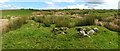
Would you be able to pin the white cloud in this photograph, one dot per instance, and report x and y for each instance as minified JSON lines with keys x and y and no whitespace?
{"x":93,"y":0}
{"x":2,"y":1}
{"x":107,"y":6}
{"x":53,"y":8}
{"x":80,"y":6}
{"x":111,"y":1}
{"x":63,"y":0}
{"x":101,"y":4}
{"x":42,"y":0}
{"x":50,"y":3}
{"x":101,"y":0}
{"x":8,"y":6}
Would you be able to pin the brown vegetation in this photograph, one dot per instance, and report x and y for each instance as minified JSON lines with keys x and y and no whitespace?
{"x":112,"y":26}
{"x":4,"y":25}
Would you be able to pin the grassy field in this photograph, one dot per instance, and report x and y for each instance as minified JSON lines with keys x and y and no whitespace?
{"x":22,"y":13}
{"x":36,"y":35}
{"x":30,"y":36}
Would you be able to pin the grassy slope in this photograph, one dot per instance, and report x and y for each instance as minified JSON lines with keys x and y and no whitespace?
{"x":30,"y":36}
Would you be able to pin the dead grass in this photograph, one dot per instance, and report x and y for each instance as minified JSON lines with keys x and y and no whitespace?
{"x":4,"y":25}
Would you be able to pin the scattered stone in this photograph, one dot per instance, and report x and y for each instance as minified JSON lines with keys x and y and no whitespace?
{"x":61,"y":30}
{"x":91,"y":32}
{"x":84,"y":32}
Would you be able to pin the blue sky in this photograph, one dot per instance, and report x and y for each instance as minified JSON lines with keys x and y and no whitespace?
{"x":59,"y":4}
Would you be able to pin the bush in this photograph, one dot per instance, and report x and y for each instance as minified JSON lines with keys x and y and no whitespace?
{"x":65,"y":21}
{"x":39,"y":19}
{"x":58,"y":21}
{"x":87,"y":20}
{"x":16,"y":22}
{"x":47,"y":22}
{"x":61,"y":22}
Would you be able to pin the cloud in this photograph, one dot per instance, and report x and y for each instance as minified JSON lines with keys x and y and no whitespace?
{"x":2,"y":1}
{"x":50,"y":3}
{"x":42,"y":0}
{"x":63,"y":0}
{"x":107,"y":6}
{"x":111,"y":1}
{"x":93,"y":0}
{"x":8,"y":6}
{"x":53,"y":8}
{"x":88,"y":4}
{"x":80,"y":6}
{"x":102,"y":4}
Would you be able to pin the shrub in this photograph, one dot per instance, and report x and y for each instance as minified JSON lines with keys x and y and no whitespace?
{"x":16,"y":22}
{"x":71,"y":24}
{"x":61,"y":22}
{"x":39,"y":19}
{"x":65,"y":21}
{"x":47,"y":22}
{"x":87,"y":20}
{"x":53,"y":26}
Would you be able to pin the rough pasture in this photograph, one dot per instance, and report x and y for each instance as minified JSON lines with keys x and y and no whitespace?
{"x":35,"y":27}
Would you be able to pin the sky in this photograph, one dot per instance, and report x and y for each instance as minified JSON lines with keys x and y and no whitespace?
{"x":59,"y":4}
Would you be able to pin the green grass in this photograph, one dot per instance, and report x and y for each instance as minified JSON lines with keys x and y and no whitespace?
{"x":29,"y":36}
{"x":22,"y":13}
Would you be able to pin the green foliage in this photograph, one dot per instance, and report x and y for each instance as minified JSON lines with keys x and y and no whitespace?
{"x":21,"y":13}
{"x":29,"y":37}
{"x":37,"y":34}
{"x":18,"y":22}
{"x":62,"y":22}
{"x":47,"y":21}
{"x":87,"y":20}
{"x":58,"y":21}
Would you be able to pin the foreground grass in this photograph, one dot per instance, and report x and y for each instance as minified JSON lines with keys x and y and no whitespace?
{"x":31,"y":36}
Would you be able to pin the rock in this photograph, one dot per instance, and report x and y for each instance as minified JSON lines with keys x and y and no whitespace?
{"x":55,"y":30}
{"x":82,"y":32}
{"x":95,"y":29}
